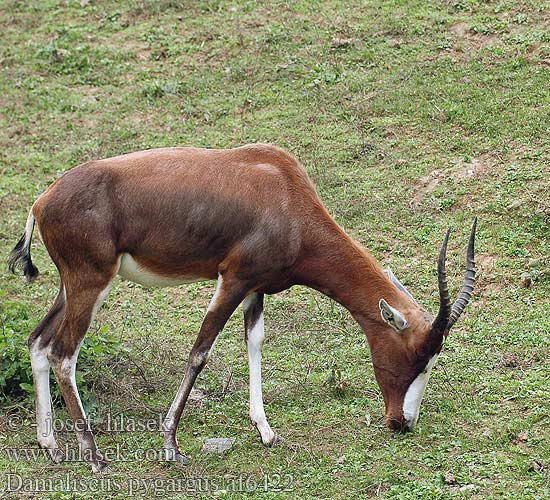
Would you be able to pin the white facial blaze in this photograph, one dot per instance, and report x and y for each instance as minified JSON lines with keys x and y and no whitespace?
{"x":415,"y":393}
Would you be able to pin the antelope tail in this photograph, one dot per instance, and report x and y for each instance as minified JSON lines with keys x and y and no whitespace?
{"x":20,"y":256}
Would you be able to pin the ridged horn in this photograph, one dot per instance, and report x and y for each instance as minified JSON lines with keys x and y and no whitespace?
{"x":447,"y":315}
{"x":440,"y":323}
{"x":469,"y":279}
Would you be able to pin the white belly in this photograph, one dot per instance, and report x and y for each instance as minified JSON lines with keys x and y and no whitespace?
{"x":130,"y":270}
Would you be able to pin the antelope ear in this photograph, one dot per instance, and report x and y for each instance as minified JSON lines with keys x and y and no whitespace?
{"x":397,"y":283}
{"x":392,"y":316}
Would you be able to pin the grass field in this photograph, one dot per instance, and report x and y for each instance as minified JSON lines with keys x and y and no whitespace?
{"x":409,"y":116}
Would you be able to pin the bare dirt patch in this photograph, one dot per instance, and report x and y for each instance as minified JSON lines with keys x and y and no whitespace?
{"x":477,"y":168}
{"x":474,"y":169}
{"x":466,"y":42}
{"x":461,"y":31}
{"x":486,"y":262}
{"x":510,"y":360}
{"x":426,"y":185}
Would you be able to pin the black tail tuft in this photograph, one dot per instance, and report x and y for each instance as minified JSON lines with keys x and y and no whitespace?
{"x":20,"y":257}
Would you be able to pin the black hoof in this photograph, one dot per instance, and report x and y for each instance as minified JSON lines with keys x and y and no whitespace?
{"x":176,"y":456}
{"x":276,"y":440}
{"x":100,"y":467}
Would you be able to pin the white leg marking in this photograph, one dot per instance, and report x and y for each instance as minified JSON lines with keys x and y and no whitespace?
{"x":211,"y":306}
{"x":415,"y":393}
{"x":216,"y":296}
{"x":44,"y":417}
{"x":99,"y":301}
{"x":255,"y":341}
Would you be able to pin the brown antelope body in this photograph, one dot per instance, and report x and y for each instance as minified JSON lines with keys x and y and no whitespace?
{"x":248,"y":217}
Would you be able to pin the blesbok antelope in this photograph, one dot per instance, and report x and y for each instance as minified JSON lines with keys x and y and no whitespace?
{"x":248,"y":217}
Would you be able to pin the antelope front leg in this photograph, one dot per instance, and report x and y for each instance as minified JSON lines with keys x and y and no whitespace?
{"x":229,"y":293}
{"x":254,"y":333}
{"x":197,"y":360}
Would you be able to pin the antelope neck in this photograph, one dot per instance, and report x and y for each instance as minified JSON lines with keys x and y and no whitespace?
{"x":348,"y":274}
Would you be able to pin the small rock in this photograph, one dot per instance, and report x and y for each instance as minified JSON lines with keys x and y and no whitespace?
{"x":341,"y":459}
{"x":394,"y":43}
{"x":217,"y":445}
{"x":514,"y":204}
{"x":341,"y":42}
{"x":467,"y":487}
{"x":449,"y":478}
{"x":526,"y":280}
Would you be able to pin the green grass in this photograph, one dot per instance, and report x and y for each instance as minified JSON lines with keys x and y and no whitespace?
{"x":409,"y":116}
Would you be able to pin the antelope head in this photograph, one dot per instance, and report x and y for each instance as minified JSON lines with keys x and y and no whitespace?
{"x":413,"y":341}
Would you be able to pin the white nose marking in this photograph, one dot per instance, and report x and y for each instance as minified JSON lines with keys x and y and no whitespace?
{"x":415,"y":393}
